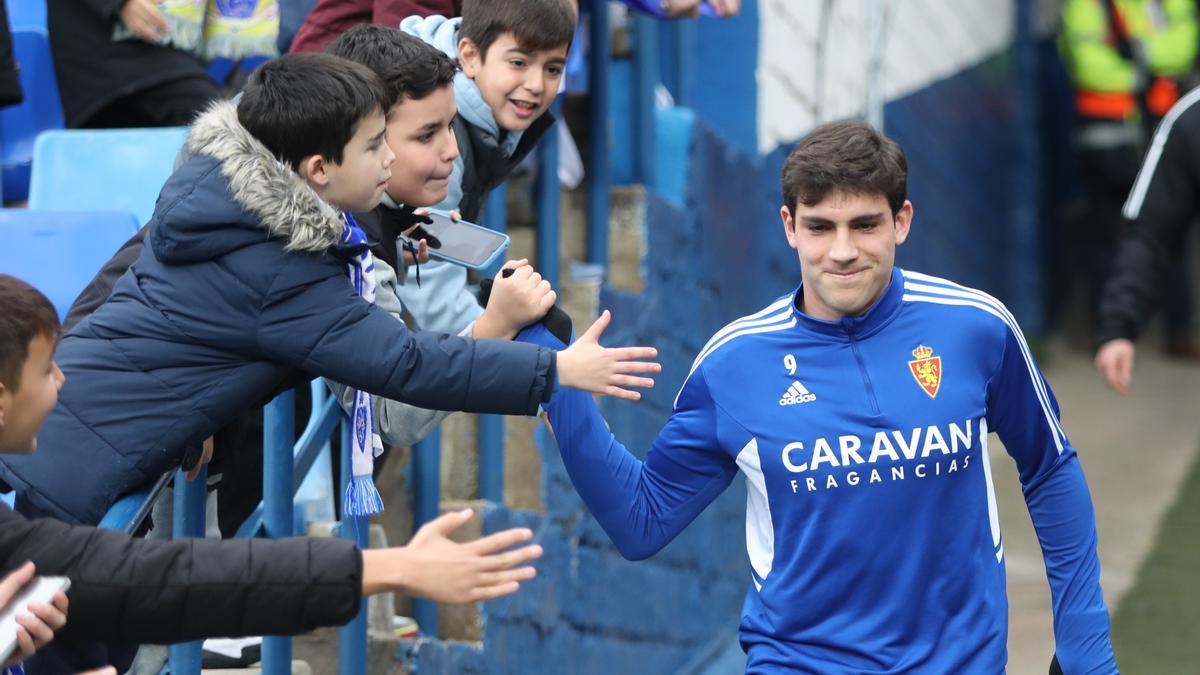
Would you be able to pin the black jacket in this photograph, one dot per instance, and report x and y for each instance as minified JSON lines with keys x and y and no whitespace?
{"x":93,"y":70}
{"x":485,"y":165}
{"x":101,"y":285}
{"x":1164,"y":202}
{"x":142,"y":590}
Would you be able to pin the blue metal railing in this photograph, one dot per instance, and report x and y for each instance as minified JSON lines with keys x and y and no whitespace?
{"x":546,"y":249}
{"x":279,"y":429}
{"x":284,"y":465}
{"x":427,"y":487}
{"x":491,"y":427}
{"x":187,"y":515}
{"x":645,"y":77}
{"x":352,"y":638}
{"x":599,"y":166}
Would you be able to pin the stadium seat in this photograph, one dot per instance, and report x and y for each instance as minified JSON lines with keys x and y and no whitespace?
{"x":60,"y":252}
{"x":103,"y":169}
{"x":26,"y":13}
{"x":41,"y":109}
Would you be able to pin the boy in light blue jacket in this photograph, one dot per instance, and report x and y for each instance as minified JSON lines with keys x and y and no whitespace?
{"x":512,"y":56}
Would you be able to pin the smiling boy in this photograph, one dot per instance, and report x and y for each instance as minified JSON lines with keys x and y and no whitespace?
{"x":512,"y":55}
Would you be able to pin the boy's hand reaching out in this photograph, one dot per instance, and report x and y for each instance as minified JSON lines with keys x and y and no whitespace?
{"x":601,"y":370}
{"x":435,"y":567}
{"x":516,"y":300}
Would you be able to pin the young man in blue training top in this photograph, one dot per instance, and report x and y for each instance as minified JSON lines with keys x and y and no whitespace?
{"x":858,"y":407}
{"x":512,"y":55}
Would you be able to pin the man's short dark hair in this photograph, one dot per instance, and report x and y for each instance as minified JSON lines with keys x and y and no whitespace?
{"x":408,"y":66}
{"x":24,"y":314}
{"x":848,"y":156}
{"x":536,"y":25}
{"x":309,"y":104}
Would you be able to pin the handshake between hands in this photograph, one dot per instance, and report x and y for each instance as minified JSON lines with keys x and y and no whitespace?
{"x":522,"y":297}
{"x":434,"y":566}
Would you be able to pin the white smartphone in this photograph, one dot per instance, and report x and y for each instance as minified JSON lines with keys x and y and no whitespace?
{"x":457,"y":241}
{"x":39,"y":589}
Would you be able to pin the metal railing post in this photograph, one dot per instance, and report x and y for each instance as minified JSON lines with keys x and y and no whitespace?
{"x":599,"y":166}
{"x":187,"y":516}
{"x":352,"y":638}
{"x":279,"y":429}
{"x":547,"y":202}
{"x":645,"y":77}
{"x":491,"y":458}
{"x":495,"y":217}
{"x":427,"y":473}
{"x":491,"y":427}
{"x":685,"y":47}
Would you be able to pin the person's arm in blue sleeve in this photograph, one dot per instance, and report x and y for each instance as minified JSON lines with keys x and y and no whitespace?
{"x":662,"y":10}
{"x":1023,"y":411}
{"x":644,"y":505}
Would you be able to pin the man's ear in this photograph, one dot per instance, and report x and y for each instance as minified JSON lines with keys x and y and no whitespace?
{"x":903,"y":221}
{"x":4,"y":396}
{"x":789,"y":226}
{"x":314,"y":169}
{"x":469,"y":57}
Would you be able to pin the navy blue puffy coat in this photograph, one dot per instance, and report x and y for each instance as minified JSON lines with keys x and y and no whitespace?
{"x":241,"y":285}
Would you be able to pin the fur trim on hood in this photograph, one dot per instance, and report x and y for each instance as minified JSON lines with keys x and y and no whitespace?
{"x":263,"y":185}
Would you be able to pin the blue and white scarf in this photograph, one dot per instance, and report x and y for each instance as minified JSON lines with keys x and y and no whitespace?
{"x":362,"y":497}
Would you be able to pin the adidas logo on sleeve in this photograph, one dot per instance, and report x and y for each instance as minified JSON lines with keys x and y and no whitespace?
{"x":796,"y":393}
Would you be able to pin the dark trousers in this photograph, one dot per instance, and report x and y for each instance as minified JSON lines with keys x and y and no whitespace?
{"x":170,"y":104}
{"x":1107,"y":175}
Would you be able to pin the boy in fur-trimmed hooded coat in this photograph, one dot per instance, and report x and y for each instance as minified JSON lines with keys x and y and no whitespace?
{"x":242,"y":286}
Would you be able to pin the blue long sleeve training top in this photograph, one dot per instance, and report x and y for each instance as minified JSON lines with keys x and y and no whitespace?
{"x":871,"y":521}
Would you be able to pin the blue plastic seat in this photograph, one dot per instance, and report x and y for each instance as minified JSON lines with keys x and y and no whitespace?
{"x":26,"y":13}
{"x":103,"y":169}
{"x":59,"y":252}
{"x":41,"y":109}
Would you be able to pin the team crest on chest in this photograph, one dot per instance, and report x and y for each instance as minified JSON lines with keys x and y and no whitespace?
{"x":926,"y":369}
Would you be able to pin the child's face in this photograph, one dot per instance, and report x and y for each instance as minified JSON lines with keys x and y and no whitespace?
{"x":517,"y":85}
{"x":23,"y":411}
{"x":419,"y":133}
{"x":358,"y":182}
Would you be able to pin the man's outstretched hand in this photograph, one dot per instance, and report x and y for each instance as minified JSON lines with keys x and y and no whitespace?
{"x":587,"y":366}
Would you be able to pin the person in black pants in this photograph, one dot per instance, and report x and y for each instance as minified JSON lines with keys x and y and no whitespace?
{"x":1161,"y":208}
{"x":128,"y":83}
